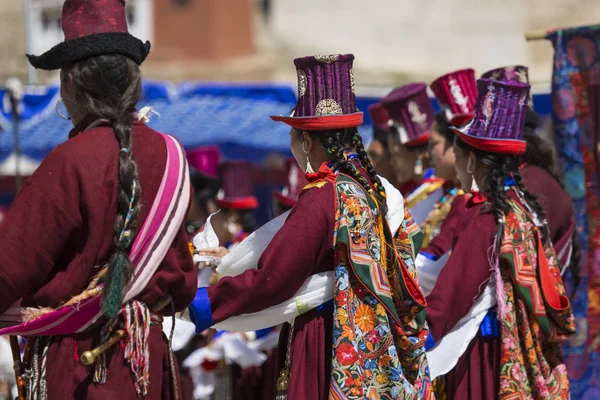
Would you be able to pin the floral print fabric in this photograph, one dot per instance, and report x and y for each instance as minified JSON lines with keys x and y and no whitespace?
{"x":379,"y":325}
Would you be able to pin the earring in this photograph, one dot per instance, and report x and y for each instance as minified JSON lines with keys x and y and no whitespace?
{"x":309,"y":168}
{"x":66,"y":118}
{"x":471,"y":170}
{"x":419,"y":166}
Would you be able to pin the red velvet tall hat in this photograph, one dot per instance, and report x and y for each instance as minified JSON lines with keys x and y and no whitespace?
{"x":92,"y":28}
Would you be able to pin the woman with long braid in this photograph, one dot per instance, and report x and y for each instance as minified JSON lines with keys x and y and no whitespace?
{"x":94,"y":244}
{"x":504,"y":264}
{"x":368,"y":341}
{"x":540,"y":170}
{"x":411,"y":118}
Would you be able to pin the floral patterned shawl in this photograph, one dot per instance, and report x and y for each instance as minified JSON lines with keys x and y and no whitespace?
{"x":538,"y":314}
{"x":379,"y":311}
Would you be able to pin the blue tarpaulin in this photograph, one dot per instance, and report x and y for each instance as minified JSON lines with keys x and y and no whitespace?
{"x":233,"y":116}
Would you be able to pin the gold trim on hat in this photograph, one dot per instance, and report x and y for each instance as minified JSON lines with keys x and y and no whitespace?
{"x":302,"y":82}
{"x":327,"y":59}
{"x":328,"y":107}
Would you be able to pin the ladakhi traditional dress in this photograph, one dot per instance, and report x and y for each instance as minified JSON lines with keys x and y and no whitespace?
{"x":369,"y":340}
{"x":516,"y":355}
{"x":411,"y":116}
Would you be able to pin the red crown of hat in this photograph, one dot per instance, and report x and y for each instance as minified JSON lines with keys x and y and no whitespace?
{"x":205,"y":160}
{"x":411,"y":113}
{"x":296,"y":182}
{"x":499,"y":121}
{"x":92,"y":28}
{"x":237,"y":186}
{"x":326,"y":98}
{"x":511,"y":73}
{"x":379,"y":115}
{"x":457,"y":93}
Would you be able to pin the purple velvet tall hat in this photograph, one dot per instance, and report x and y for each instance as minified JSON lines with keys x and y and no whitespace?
{"x":457,"y":93}
{"x":411,"y":112}
{"x":511,"y":73}
{"x":499,"y":121}
{"x":326,"y":98}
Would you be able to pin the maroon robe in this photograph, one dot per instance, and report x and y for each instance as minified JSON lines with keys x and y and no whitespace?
{"x":59,"y":230}
{"x":475,"y":376}
{"x":303,"y":247}
{"x":553,"y":199}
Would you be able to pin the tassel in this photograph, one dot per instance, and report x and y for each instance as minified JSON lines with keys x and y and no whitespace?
{"x":494,"y":260}
{"x":113,"y":299}
{"x":137,"y":326}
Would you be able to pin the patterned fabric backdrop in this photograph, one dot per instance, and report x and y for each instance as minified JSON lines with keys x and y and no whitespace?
{"x":575,"y":111}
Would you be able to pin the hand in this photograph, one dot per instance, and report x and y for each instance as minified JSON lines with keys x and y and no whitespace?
{"x":219,"y":252}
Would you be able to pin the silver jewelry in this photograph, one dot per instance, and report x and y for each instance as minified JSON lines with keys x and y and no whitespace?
{"x":60,"y":114}
{"x":309,"y":168}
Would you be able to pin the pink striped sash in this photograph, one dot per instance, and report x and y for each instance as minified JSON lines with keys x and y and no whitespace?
{"x":149,"y":249}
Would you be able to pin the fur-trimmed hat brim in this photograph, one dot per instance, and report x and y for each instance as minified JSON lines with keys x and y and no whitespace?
{"x":72,"y":51}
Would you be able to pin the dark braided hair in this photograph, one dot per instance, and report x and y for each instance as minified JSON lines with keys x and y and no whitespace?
{"x":540,"y":152}
{"x":109,"y":87}
{"x":443,"y":127}
{"x":500,"y":167}
{"x":340,"y":141}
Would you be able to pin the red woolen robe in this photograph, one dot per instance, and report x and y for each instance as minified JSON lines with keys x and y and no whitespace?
{"x":303,"y":247}
{"x":59,"y":229}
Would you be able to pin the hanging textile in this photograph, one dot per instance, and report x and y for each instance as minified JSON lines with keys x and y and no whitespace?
{"x":575,"y":103}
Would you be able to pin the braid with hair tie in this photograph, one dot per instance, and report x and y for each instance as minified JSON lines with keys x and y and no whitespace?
{"x":363,"y":157}
{"x":109,"y":86}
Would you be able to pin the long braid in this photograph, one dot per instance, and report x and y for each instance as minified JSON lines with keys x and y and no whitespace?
{"x":337,"y":143}
{"x":363,"y":157}
{"x":109,"y":86}
{"x":494,"y":190}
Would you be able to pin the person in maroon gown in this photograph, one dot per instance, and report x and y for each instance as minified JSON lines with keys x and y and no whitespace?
{"x":204,"y":162}
{"x":66,"y":221}
{"x":326,"y":144}
{"x":456,"y":92}
{"x":287,"y":198}
{"x":378,"y":150}
{"x":501,"y":214}
{"x":541,"y":173}
{"x":411,"y":116}
{"x":237,"y":203}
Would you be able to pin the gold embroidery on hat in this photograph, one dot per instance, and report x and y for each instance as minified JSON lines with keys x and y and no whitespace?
{"x":328,"y":107}
{"x":352,"y":80}
{"x":301,"y":82}
{"x":327,"y":59}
